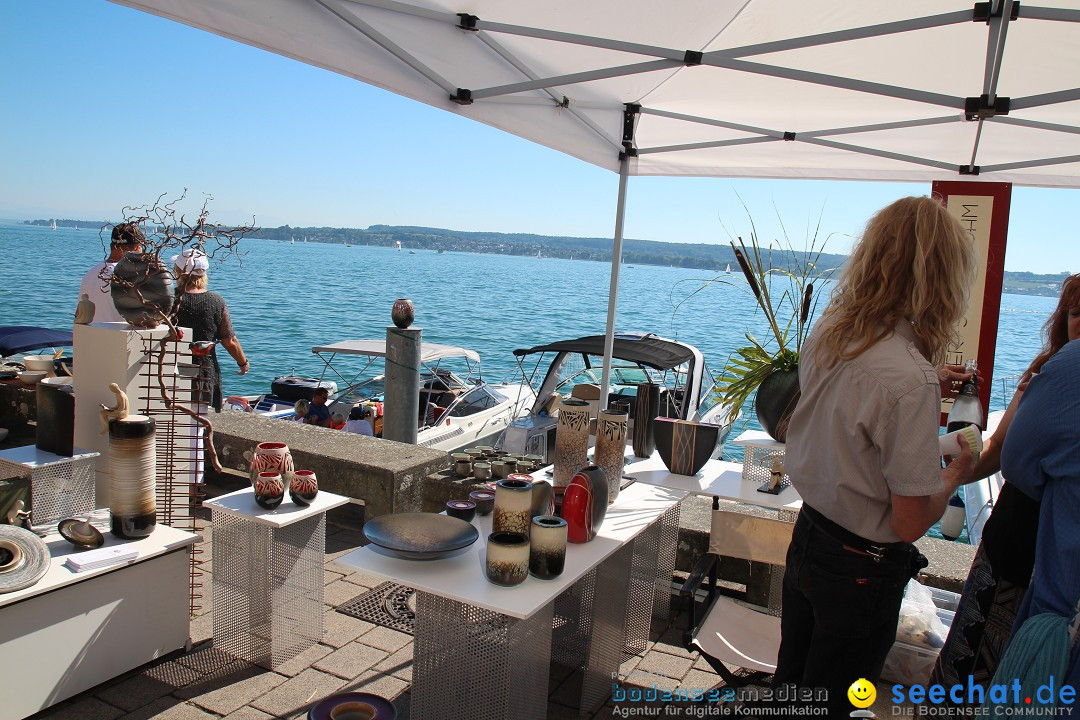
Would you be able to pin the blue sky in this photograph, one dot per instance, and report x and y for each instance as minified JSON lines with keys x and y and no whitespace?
{"x":102,"y":107}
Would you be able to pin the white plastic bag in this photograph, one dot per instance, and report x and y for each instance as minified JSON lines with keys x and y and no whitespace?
{"x":920,"y":633}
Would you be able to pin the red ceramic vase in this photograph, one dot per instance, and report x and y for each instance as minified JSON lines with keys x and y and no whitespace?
{"x":584,"y":504}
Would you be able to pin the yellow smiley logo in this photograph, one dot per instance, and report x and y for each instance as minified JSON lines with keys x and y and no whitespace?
{"x":862,"y":693}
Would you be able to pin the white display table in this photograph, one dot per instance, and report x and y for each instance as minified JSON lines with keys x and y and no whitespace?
{"x":498,"y":642}
{"x":719,"y":478}
{"x":268,"y":575}
{"x":71,"y":631}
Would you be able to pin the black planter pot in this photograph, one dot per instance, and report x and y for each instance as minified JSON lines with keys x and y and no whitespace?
{"x":776,"y":398}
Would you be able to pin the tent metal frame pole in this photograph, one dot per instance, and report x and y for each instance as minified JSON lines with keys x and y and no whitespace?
{"x":613,"y":286}
{"x":335,"y":7}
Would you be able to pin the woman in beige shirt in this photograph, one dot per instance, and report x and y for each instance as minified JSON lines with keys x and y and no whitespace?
{"x":862,"y":448}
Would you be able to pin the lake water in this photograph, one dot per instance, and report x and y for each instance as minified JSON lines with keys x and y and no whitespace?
{"x":285,"y":298}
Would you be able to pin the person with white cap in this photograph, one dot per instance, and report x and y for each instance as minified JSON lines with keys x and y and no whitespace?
{"x":207,"y":314}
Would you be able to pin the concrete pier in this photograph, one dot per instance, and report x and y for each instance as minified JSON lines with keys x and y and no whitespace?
{"x":400,"y":403}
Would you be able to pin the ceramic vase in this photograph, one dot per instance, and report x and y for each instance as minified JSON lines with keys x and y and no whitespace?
{"x":543,"y":498}
{"x":776,"y":398}
{"x":646,"y":408}
{"x":685,"y":446}
{"x":272,"y":456}
{"x":304,"y":487}
{"x":571,"y":440}
{"x":610,"y":451}
{"x":547,"y":546}
{"x":269,"y":489}
{"x":132,"y":469}
{"x":584,"y":504}
{"x":142,"y":289}
{"x":403,"y":312}
{"x":507,"y":561}
{"x":513,"y":506}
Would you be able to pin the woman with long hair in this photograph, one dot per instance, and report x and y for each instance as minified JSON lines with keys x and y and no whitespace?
{"x":1003,"y":564}
{"x":862,"y":447}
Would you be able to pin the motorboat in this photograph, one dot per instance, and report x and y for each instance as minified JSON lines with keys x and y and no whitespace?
{"x":573,"y":369}
{"x":457,"y":408}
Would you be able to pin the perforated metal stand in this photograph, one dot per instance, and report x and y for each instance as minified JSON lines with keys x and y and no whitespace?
{"x":268,"y":587}
{"x":506,"y":675}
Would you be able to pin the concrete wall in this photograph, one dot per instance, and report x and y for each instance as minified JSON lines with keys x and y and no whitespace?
{"x":389,"y":477}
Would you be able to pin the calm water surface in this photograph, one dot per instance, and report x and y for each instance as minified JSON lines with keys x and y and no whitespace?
{"x":285,"y":298}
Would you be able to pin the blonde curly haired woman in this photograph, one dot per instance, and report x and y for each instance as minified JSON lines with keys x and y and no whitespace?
{"x":862,"y":447}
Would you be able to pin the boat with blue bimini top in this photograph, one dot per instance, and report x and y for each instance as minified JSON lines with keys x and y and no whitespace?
{"x":457,"y":408}
{"x":573,"y":368}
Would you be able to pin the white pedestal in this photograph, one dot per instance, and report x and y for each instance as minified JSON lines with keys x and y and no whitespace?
{"x":117,"y":353}
{"x":71,"y":631}
{"x":60,"y":486}
{"x":268,"y":575}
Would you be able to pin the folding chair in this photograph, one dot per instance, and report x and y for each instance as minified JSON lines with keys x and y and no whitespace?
{"x":723,"y":629}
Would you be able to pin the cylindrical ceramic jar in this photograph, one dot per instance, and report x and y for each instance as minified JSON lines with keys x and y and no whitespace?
{"x":269,"y":489}
{"x":571,"y":440}
{"x":646,"y":408}
{"x":485,"y":501}
{"x":132,"y":470}
{"x":272,"y":456}
{"x":547,"y":546}
{"x":513,"y":506}
{"x":507,"y":558}
{"x":461,"y":509}
{"x":304,"y":487}
{"x":610,"y":450}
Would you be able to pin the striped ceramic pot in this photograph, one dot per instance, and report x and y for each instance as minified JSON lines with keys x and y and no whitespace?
{"x":269,"y":489}
{"x":610,"y":449}
{"x":272,"y":456}
{"x":304,"y":487}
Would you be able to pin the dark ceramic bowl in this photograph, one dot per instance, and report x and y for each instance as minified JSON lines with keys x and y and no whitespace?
{"x":352,"y":705}
{"x":80,"y":533}
{"x":462,"y":509}
{"x":484,"y":499}
{"x":685,"y":446}
{"x":419,"y":535}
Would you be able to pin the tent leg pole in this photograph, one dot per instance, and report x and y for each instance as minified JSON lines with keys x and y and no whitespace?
{"x":613,"y":288}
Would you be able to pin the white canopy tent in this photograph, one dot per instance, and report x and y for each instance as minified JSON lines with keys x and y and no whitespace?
{"x":912,"y":91}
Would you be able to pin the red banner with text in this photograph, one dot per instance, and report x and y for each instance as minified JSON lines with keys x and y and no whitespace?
{"x":983,"y":209}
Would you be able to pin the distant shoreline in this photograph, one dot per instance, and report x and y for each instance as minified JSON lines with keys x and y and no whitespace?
{"x":701,"y":256}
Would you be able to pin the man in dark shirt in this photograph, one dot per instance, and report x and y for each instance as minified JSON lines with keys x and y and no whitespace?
{"x":318,"y":412}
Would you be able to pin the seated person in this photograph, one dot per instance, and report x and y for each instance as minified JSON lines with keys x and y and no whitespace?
{"x":337,"y":421}
{"x":300,"y":410}
{"x":358,"y":422}
{"x":318,"y":412}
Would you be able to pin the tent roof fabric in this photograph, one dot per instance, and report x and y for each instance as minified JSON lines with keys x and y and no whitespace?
{"x":429,"y":352}
{"x":20,"y":338}
{"x":915,"y":91}
{"x":648,"y":350}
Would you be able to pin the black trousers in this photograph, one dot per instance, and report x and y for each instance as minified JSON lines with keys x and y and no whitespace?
{"x":839,"y":614}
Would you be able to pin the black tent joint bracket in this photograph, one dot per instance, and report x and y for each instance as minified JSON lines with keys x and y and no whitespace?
{"x":468,"y":22}
{"x":969,"y":169}
{"x":629,"y":116}
{"x":693,"y":57}
{"x":978,"y":108}
{"x":564,"y":104}
{"x":789,"y":136}
{"x":628,"y":153}
{"x":462,"y":97}
{"x":982,"y":12}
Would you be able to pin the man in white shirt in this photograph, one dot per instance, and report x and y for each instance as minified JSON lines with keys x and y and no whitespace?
{"x":126,"y":237}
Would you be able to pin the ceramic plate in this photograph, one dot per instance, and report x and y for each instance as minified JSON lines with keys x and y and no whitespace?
{"x":420,"y":536}
{"x":24,"y":558}
{"x":321,"y":710}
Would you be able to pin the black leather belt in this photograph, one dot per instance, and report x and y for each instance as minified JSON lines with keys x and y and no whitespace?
{"x":899,"y":552}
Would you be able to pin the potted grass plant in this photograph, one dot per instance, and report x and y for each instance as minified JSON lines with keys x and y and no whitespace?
{"x":786,"y":285}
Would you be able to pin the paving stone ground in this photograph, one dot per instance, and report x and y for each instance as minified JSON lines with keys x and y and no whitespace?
{"x":205,"y":683}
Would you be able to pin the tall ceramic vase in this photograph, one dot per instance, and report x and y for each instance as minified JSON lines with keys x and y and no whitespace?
{"x":584,"y":504}
{"x":776,"y":398}
{"x":610,"y":450}
{"x":132,"y":468}
{"x":513,"y":506}
{"x":646,"y":408}
{"x":272,"y":457}
{"x":571,"y":440}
